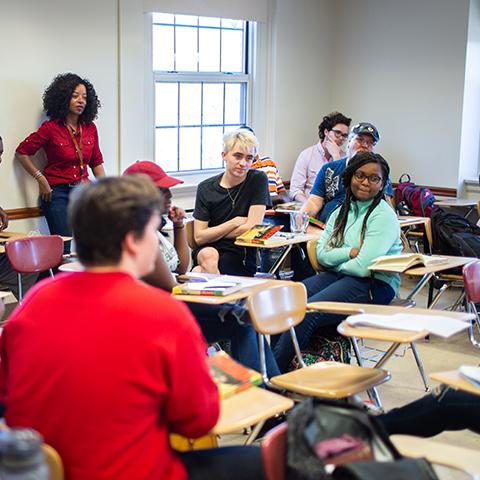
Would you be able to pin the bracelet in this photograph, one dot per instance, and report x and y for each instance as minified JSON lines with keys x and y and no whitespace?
{"x":37,"y":175}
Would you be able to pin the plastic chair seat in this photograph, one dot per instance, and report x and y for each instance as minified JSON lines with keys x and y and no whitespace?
{"x":331,"y":380}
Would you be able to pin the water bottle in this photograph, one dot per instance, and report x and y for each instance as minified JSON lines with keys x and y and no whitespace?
{"x":21,"y":455}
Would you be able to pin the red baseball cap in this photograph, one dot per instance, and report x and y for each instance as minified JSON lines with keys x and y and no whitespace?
{"x":154,"y":171}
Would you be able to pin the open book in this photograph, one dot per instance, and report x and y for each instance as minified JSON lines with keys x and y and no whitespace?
{"x":434,"y":324}
{"x":259,"y":234}
{"x":470,"y":373}
{"x":230,"y":376}
{"x":215,"y":287}
{"x":404,"y":261}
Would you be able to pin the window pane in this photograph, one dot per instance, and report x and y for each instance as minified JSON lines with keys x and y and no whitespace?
{"x":186,"y":49}
{"x":163,"y":45}
{"x":209,"y":21}
{"x":212,"y":147}
{"x":212,"y":103}
{"x":209,"y":50}
{"x":229,"y":23}
{"x":166,"y":104}
{"x":190,"y":103}
{"x":190,"y":149}
{"x":166,"y":148}
{"x":186,"y":20}
{"x":163,"y":18}
{"x":234,"y":107}
{"x":232,"y":51}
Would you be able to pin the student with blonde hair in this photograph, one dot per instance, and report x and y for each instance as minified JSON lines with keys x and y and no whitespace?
{"x":228,"y":205}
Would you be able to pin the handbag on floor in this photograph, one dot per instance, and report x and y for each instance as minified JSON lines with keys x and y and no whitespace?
{"x":326,"y":434}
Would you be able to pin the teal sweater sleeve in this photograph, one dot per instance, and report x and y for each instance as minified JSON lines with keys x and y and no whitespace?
{"x":330,"y":256}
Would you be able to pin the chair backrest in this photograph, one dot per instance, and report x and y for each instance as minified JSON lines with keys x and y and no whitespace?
{"x":312,"y":255}
{"x":190,"y":235}
{"x":277,"y":309}
{"x":274,"y":452}
{"x":471,"y":280}
{"x":54,"y":463}
{"x":35,"y":254}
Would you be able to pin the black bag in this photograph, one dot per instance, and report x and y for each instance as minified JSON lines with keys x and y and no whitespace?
{"x":404,"y":469}
{"x":411,"y":199}
{"x":455,"y":235}
{"x":316,"y":420}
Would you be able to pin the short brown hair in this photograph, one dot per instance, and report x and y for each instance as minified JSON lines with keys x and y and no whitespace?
{"x":103,"y":212}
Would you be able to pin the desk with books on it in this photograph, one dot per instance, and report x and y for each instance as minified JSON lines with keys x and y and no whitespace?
{"x":259,"y":237}
{"x":434,"y":264}
{"x":248,"y":285}
{"x":394,"y":337}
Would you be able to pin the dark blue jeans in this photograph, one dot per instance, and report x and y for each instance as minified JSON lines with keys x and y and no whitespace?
{"x":333,"y":287}
{"x":444,"y":409}
{"x":56,"y":212}
{"x":218,"y":322}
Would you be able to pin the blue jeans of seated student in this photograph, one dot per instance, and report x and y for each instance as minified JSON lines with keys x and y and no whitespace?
{"x":219,"y":322}
{"x":56,"y":212}
{"x":443,"y":409}
{"x":333,"y":287}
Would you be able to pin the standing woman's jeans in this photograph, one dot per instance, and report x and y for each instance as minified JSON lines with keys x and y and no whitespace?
{"x":56,"y":212}
{"x":332,"y":287}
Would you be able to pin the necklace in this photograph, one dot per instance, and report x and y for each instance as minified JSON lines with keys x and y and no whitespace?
{"x":233,"y":199}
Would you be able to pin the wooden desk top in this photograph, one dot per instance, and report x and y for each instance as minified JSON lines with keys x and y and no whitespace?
{"x":283,"y":242}
{"x":249,"y":407}
{"x":462,"y":458}
{"x":456,"y":202}
{"x":7,"y":236}
{"x":382,"y":334}
{"x":239,"y":295}
{"x":454,"y":379}
{"x":407,"y":220}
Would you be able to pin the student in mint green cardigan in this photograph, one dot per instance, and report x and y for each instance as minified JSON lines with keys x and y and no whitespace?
{"x":363,"y":228}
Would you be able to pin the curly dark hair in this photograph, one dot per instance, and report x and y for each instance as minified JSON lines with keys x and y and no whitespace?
{"x":357,"y":161}
{"x":330,"y":120}
{"x":56,"y":98}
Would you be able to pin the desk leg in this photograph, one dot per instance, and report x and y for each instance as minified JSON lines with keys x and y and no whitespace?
{"x":373,"y":392}
{"x":423,"y":281}
{"x":276,"y":266}
{"x":420,"y":366}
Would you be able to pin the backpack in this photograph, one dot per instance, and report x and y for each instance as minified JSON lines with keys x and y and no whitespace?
{"x":411,"y":199}
{"x":454,"y":235}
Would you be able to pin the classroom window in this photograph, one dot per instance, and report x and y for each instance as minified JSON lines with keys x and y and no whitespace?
{"x":202,"y":81}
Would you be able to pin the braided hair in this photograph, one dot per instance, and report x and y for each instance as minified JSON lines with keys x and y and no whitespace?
{"x":362,"y":158}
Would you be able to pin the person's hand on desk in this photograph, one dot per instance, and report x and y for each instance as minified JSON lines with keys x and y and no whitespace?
{"x":3,"y":219}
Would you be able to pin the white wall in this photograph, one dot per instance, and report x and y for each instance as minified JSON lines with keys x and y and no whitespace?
{"x":37,"y":41}
{"x":401,"y":65}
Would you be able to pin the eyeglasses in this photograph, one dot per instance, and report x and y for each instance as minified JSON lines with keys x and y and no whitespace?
{"x":339,"y":134}
{"x":372,"y":179}
{"x":368,"y":142}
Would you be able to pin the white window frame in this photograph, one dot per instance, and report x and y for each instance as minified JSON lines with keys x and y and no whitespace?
{"x":210,"y":77}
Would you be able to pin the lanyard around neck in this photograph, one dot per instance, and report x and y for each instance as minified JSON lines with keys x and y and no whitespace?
{"x":78,"y":147}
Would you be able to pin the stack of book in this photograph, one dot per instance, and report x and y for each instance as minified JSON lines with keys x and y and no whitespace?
{"x":230,"y":376}
{"x":259,"y":234}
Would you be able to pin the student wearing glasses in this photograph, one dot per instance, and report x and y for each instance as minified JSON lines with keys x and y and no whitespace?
{"x":362,"y":229}
{"x":328,"y":192}
{"x":333,"y":133}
